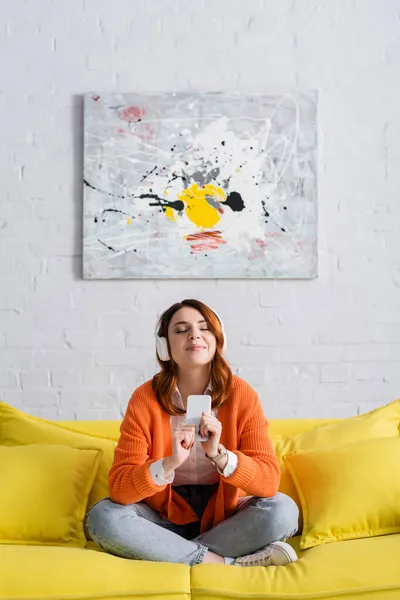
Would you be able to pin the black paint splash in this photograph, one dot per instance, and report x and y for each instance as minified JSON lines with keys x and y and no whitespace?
{"x":148,"y":173}
{"x":234,"y":201}
{"x":175,"y":204}
{"x":102,"y":191}
{"x":113,"y":210}
{"x":267,"y":215}
{"x":110,"y":210}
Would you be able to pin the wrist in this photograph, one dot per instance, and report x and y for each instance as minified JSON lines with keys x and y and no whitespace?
{"x":212,"y":450}
{"x":222,"y":463}
{"x":220,"y":457}
{"x":169,"y":466}
{"x":214,"y":454}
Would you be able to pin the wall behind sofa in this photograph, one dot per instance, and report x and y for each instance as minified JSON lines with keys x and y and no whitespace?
{"x":328,"y":347}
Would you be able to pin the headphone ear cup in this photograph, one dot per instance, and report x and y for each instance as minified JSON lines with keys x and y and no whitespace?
{"x":222,"y":329}
{"x":162,"y":348}
{"x":161,"y":344}
{"x":224,"y":334}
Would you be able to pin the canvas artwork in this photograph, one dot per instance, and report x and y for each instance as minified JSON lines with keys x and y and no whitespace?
{"x":200,"y":185}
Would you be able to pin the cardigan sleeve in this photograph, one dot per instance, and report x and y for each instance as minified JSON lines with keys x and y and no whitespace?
{"x":258,"y":472}
{"x":129,"y":478}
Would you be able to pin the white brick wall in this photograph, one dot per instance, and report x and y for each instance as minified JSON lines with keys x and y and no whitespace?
{"x":76,"y":349}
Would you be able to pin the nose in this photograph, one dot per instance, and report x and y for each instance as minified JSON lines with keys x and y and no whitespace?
{"x":194,"y":334}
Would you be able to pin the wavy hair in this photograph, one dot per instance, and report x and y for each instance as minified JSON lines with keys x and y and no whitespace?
{"x":165,"y":381}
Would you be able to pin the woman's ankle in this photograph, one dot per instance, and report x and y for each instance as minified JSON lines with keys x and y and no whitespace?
{"x":212,"y":558}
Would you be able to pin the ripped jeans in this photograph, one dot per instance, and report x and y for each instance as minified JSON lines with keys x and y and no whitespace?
{"x":139,"y":532}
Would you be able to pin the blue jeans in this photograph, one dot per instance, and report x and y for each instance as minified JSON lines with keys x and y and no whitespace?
{"x":139,"y":532}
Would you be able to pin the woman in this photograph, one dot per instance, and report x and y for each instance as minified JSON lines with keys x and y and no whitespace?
{"x":174,"y":500}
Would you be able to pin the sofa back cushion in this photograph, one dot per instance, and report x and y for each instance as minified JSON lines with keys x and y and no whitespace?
{"x":18,"y":428}
{"x":380,"y":422}
{"x":44,"y":493}
{"x":348,"y":491}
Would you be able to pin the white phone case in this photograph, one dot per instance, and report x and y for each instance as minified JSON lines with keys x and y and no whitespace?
{"x":196,"y":404}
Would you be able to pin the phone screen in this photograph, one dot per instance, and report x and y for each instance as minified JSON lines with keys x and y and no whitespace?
{"x":196,"y":405}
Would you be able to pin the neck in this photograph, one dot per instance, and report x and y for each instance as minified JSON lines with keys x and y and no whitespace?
{"x":193,"y":381}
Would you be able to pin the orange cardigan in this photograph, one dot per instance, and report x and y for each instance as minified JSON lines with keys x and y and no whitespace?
{"x":146,"y":437}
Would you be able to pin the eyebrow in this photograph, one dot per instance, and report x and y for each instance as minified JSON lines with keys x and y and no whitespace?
{"x":186,"y":323}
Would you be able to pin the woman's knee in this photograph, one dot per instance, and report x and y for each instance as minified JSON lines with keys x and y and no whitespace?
{"x":96,"y":516}
{"x":104,"y":518}
{"x":281,"y":511}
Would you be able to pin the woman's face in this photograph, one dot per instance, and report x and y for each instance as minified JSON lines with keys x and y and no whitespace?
{"x":191,"y":342}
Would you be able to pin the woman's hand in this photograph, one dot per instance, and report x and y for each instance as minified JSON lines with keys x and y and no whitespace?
{"x":182,"y":443}
{"x":210,"y":427}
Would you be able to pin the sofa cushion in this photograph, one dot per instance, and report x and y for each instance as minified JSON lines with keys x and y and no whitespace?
{"x":56,"y":573}
{"x":44,"y":493}
{"x":348,"y":491}
{"x":380,"y":422}
{"x":283,"y":428}
{"x":19,"y":428}
{"x":365,"y":569}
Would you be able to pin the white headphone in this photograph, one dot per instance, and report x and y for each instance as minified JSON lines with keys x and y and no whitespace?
{"x":161,"y":342}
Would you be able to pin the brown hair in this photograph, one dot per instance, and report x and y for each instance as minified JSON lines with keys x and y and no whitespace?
{"x":165,"y":381}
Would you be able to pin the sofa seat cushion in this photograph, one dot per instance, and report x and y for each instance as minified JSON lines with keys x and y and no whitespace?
{"x":366,"y":569}
{"x":61,"y":573}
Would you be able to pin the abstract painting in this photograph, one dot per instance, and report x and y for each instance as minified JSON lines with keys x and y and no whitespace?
{"x":200,"y":185}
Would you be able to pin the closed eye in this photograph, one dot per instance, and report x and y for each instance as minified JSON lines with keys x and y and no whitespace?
{"x":187,"y":329}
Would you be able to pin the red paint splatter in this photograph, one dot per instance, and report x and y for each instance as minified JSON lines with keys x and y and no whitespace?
{"x":261,"y":243}
{"x":208,"y":240}
{"x":96,"y":98}
{"x":149,"y":128}
{"x":132,"y":113}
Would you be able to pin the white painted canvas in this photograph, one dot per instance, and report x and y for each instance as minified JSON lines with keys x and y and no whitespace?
{"x":200,"y":185}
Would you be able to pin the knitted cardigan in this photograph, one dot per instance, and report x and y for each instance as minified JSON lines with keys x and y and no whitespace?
{"x":146,"y":437}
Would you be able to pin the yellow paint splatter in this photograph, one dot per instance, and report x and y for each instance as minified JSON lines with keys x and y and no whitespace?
{"x":198,"y":210}
{"x":169,"y":213}
{"x":129,"y":221}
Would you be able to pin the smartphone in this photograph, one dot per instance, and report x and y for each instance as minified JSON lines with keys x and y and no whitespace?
{"x":196,"y":405}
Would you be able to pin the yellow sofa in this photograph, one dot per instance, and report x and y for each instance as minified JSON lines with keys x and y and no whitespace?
{"x":366,"y":567}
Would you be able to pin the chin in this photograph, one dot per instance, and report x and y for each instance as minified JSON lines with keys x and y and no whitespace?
{"x":198,"y":360}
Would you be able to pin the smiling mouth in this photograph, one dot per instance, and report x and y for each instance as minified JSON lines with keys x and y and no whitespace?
{"x":196,"y":348}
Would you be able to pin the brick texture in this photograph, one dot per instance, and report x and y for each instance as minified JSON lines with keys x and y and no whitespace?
{"x":76,"y":349}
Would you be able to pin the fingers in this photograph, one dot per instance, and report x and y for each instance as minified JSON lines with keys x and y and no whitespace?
{"x":185,"y":427}
{"x":184,"y":437}
{"x":190,"y":432}
{"x":209,"y":426}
